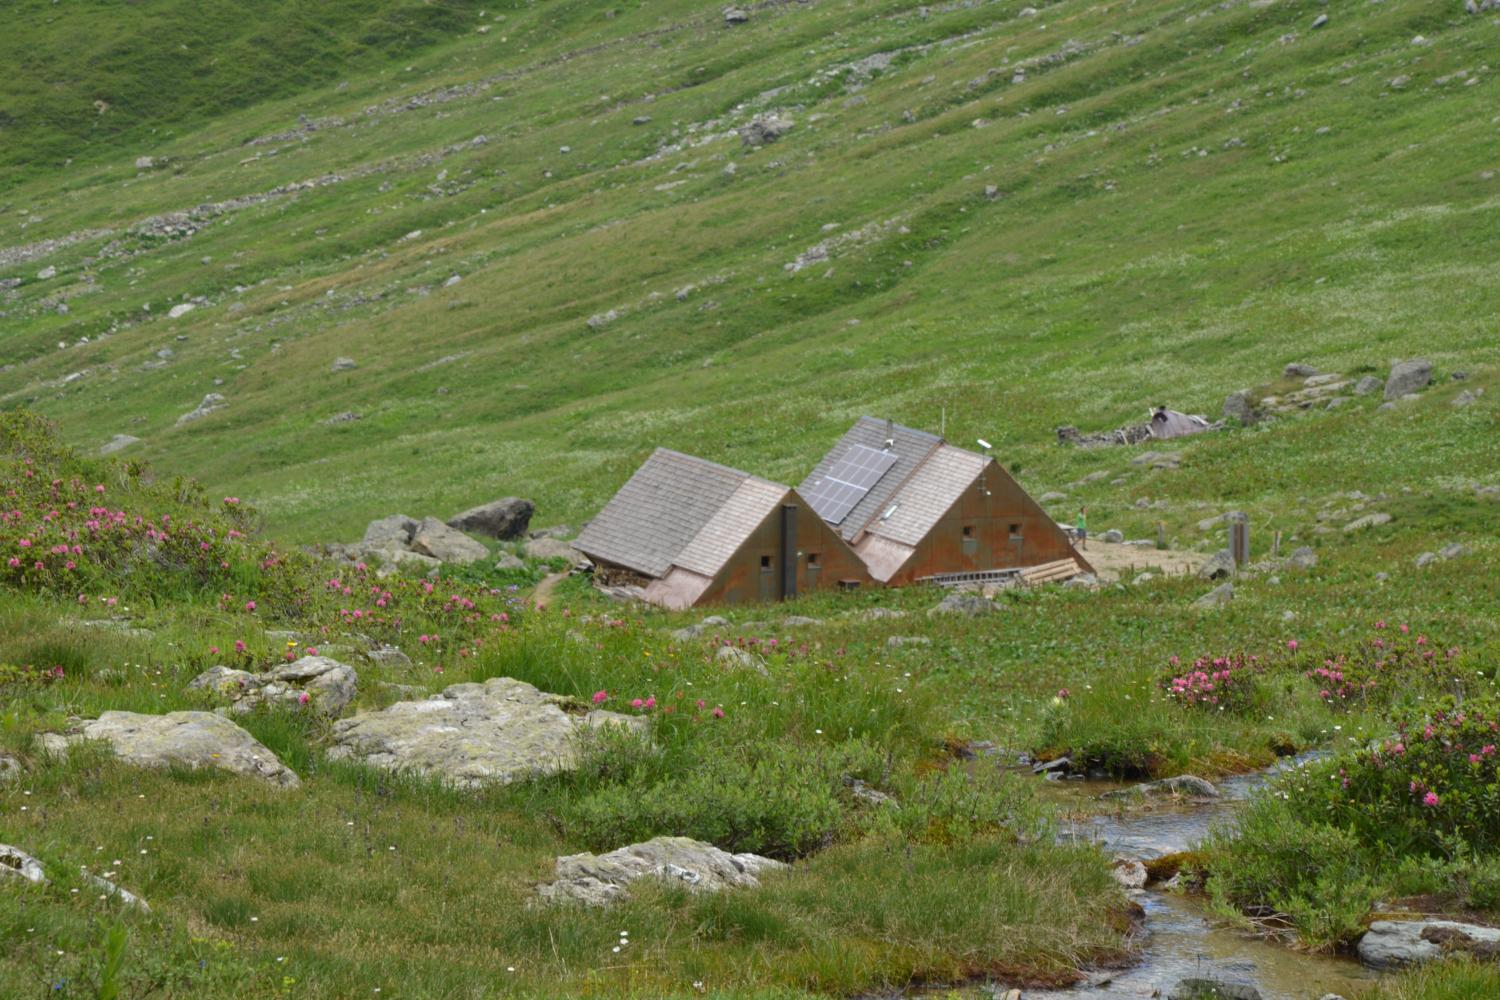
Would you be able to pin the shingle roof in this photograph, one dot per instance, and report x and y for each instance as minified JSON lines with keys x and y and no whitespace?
{"x":911,"y":448}
{"x":926,"y":496}
{"x":679,"y":510}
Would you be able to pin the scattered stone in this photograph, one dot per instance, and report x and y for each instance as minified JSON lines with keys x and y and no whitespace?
{"x":547,"y":548}
{"x":180,"y":739}
{"x":1319,"y":21}
{"x":600,"y":320}
{"x":1397,"y":82}
{"x":1465,"y":398}
{"x":971,"y":605}
{"x":1302,"y":558}
{"x":10,"y":768}
{"x":879,"y":614}
{"x":604,"y":878}
{"x":899,"y":641}
{"x":17,"y":863}
{"x":1391,"y":944}
{"x":344,"y":364}
{"x":1113,"y":535}
{"x":1219,"y":597}
{"x":1182,"y":785}
{"x":735,"y":658}
{"x":1053,"y":497}
{"x":504,"y":519}
{"x":435,"y":539}
{"x":1453,"y":550}
{"x":211,"y":402}
{"x":1368,"y":384}
{"x":507,"y":561}
{"x":473,"y":734}
{"x":46,"y":273}
{"x":1083,"y":581}
{"x":118,"y":443}
{"x":181,"y":310}
{"x":800,"y":621}
{"x":763,"y":129}
{"x":1238,"y":406}
{"x":324,"y":684}
{"x":1407,"y":377}
{"x":641,"y":120}
{"x":1298,"y":370}
{"x":1198,"y":988}
{"x":347,"y":417}
{"x":867,"y":794}
{"x":1131,"y":874}
{"x":1220,"y":565}
{"x":120,"y":895}
{"x":736,"y":15}
{"x":145,"y":162}
{"x":389,"y":656}
{"x":1368,"y":521}
{"x":1425,"y":559}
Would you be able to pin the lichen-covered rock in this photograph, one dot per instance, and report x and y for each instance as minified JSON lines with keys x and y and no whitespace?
{"x":972,"y":605}
{"x":1188,"y":785}
{"x":318,"y":682}
{"x":473,"y":734}
{"x":1407,"y":377}
{"x":598,"y":879}
{"x":504,"y":519}
{"x":181,"y":739}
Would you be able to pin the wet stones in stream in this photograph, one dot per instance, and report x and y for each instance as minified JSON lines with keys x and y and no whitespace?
{"x":1181,"y":786}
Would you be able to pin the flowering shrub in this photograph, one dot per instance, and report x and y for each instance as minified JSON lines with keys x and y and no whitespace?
{"x":1374,"y":668}
{"x":1220,"y":682}
{"x":28,"y":675}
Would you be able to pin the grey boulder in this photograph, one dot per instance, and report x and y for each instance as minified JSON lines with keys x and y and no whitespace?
{"x":599,"y":879}
{"x":211,"y":402}
{"x":1219,"y":597}
{"x":763,"y":129}
{"x":180,"y":739}
{"x":1391,"y":944}
{"x":118,"y":443}
{"x":1368,"y":521}
{"x":1302,"y":558}
{"x":1368,"y":384}
{"x":436,"y":540}
{"x":503,"y":519}
{"x":552,"y":548}
{"x":1182,"y":785}
{"x":395,"y":529}
{"x":473,"y":734}
{"x":970,"y":605}
{"x":1218,"y":566}
{"x":1407,"y":377}
{"x":319,"y":682}
{"x":1237,"y":406}
{"x":1201,"y":988}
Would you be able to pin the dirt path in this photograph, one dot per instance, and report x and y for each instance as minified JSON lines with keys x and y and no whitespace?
{"x":1111,"y":561}
{"x":543,"y":593}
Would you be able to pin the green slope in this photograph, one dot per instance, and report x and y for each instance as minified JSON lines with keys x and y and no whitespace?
{"x":1170,"y":202}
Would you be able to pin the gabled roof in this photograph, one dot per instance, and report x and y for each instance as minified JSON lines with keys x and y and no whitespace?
{"x":678,"y":510}
{"x":911,"y":448}
{"x":926,"y":496}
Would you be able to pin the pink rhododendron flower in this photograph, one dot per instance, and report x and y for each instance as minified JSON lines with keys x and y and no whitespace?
{"x":1430,"y":799}
{"x":600,"y":697}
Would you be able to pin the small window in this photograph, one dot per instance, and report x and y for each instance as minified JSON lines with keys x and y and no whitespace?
{"x":812,"y":559}
{"x":1015,"y":531}
{"x":968,"y":531}
{"x":765,"y":562}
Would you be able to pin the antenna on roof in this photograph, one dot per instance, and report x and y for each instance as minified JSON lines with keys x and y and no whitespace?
{"x":943,"y":426}
{"x":986,"y":446}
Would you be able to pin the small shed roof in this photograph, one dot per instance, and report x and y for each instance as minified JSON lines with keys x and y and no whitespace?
{"x":678,"y":510}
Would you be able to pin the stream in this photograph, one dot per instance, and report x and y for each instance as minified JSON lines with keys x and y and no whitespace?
{"x":1178,"y":940}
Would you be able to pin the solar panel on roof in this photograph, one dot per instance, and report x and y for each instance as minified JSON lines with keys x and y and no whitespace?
{"x":845,"y":485}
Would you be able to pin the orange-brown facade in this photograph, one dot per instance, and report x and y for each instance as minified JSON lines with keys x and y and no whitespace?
{"x":817,"y":557}
{"x":994,"y":524}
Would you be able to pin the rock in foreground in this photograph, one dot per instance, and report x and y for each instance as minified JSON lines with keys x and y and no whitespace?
{"x":181,"y":739}
{"x":473,"y":734}
{"x":604,"y":878}
{"x":321,"y":683}
{"x":17,"y":863}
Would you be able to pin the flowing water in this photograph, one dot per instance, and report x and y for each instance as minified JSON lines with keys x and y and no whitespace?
{"x":1178,"y":940}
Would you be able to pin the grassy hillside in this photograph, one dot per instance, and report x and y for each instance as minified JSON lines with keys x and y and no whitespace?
{"x":1185,"y":196}
{"x":87,"y":81}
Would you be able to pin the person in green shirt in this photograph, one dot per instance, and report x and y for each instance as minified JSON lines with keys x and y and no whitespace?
{"x":1082,"y":527}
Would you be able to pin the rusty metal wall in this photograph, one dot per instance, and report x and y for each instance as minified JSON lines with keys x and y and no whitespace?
{"x":743,"y":580}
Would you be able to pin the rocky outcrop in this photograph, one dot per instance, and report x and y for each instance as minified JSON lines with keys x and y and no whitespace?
{"x":599,"y":879}
{"x":763,"y":129}
{"x":317,"y":682}
{"x":546,"y":548}
{"x":1391,"y":944}
{"x":118,"y":443}
{"x":473,"y":734}
{"x":212,"y":402}
{"x":401,"y":541}
{"x":504,"y":519}
{"x":180,"y":739}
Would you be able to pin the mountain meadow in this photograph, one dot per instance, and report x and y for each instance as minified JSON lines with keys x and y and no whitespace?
{"x":279,"y":280}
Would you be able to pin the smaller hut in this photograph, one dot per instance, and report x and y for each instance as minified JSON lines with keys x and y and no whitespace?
{"x":916,"y":508}
{"x":691,"y":532}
